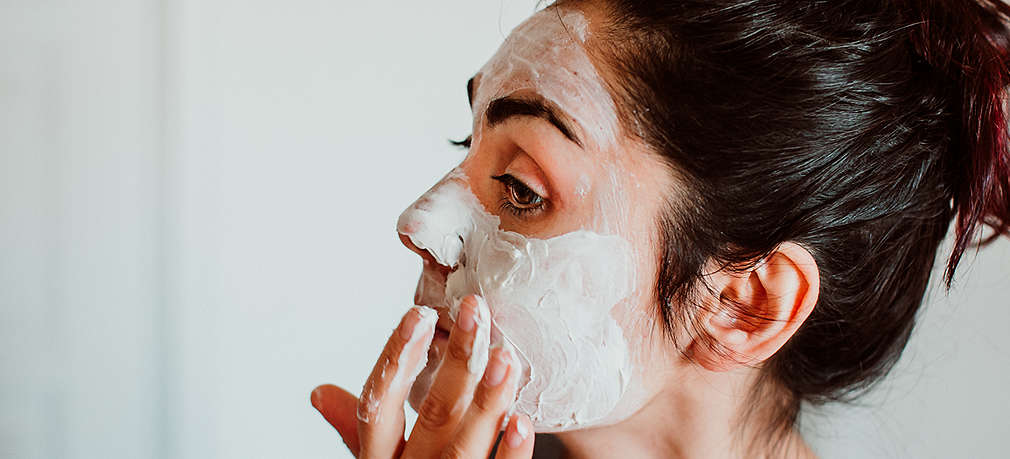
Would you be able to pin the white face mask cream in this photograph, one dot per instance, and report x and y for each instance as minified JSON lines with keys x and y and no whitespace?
{"x":550,"y":301}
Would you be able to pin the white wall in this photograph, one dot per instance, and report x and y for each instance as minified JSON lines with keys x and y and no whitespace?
{"x":197,"y":201}
{"x":948,"y":395}
{"x":79,"y":207}
{"x":302,"y":129}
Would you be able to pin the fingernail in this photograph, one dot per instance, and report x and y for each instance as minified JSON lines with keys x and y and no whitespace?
{"x":317,"y":397}
{"x":517,"y":435}
{"x":467,"y":315}
{"x":409,"y":323}
{"x":495,"y":373}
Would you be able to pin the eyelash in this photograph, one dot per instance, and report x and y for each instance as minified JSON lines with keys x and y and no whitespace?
{"x":464,"y":144}
{"x":511,"y":185}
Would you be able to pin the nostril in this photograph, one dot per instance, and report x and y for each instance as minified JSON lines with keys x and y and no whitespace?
{"x":409,"y":243}
{"x":426,"y":255}
{"x":443,"y":270}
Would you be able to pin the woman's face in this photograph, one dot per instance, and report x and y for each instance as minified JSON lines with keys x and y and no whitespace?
{"x":551,"y":217}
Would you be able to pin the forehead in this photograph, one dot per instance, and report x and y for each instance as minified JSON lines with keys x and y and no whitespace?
{"x":546,"y":54}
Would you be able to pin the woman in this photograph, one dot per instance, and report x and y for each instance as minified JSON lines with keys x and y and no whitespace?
{"x":679,"y":220}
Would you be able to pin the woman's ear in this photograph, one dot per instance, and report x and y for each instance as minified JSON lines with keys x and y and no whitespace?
{"x":757,"y":311}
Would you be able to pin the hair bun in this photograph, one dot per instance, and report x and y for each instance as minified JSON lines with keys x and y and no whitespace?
{"x":969,"y":42}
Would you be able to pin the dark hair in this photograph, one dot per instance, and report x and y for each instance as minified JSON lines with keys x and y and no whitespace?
{"x":856,"y":128}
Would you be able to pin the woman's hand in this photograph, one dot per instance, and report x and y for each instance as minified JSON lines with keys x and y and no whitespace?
{"x":460,"y":416}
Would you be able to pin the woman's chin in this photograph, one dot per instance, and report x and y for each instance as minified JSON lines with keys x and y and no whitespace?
{"x":419,"y":390}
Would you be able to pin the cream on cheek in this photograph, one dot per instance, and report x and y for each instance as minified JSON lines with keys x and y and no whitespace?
{"x":550,"y":301}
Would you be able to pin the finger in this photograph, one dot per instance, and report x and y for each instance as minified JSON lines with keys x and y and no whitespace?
{"x":380,"y":408}
{"x":452,"y":390}
{"x":492,"y":399}
{"x":339,"y":408}
{"x":517,"y":443}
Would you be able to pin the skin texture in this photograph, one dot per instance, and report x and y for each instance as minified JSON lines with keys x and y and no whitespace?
{"x":684,"y":403}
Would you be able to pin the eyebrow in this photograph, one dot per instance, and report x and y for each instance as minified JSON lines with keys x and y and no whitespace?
{"x":500,"y":110}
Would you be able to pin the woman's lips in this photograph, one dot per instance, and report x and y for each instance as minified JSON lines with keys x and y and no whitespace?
{"x":444,"y":322}
{"x":441,"y":337}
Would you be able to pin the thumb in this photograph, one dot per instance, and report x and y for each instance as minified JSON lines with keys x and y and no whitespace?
{"x":340,"y":409}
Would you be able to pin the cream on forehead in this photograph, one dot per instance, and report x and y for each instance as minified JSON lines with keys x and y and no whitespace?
{"x":545,"y":54}
{"x":550,"y":301}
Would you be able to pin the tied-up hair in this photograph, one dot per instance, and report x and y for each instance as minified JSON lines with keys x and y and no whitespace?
{"x":967,"y":41}
{"x":858,"y":129}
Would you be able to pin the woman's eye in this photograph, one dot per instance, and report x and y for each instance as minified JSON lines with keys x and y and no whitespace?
{"x":518,"y":198}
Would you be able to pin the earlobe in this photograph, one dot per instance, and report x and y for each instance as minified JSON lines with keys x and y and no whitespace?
{"x":758,"y":310}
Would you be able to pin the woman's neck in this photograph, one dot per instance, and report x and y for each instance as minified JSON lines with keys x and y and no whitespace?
{"x":681,"y":423}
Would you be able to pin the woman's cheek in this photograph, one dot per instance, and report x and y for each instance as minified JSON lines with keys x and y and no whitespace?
{"x":551,"y":301}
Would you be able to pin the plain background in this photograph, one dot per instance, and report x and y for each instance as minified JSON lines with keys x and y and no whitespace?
{"x":197,"y":203}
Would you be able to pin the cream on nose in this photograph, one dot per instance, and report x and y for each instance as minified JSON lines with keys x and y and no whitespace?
{"x":441,"y":220}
